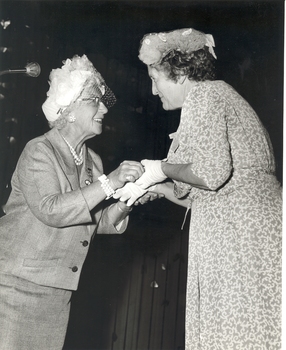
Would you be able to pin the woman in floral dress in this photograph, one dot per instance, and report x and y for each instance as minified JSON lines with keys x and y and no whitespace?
{"x":222,"y":166}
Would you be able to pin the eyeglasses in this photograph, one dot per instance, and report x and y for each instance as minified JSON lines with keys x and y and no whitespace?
{"x":96,"y":99}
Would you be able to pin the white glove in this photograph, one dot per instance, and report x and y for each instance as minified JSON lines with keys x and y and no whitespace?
{"x":130,"y":192}
{"x":152,"y":175}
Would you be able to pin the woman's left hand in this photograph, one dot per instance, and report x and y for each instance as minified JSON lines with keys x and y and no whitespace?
{"x":129,"y":193}
{"x":149,"y":197}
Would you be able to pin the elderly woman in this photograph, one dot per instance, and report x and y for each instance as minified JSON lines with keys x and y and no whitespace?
{"x":222,"y":166}
{"x":54,"y":210}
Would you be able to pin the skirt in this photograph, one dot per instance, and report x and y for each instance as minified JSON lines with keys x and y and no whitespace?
{"x":32,"y":317}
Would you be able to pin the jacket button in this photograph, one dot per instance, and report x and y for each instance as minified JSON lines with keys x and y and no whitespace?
{"x":85,"y":243}
{"x":74,"y":269}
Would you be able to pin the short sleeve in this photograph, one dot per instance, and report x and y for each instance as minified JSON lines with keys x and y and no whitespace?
{"x":211,"y":154}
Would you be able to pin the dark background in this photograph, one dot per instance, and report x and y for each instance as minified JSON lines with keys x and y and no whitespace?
{"x":249,"y":48}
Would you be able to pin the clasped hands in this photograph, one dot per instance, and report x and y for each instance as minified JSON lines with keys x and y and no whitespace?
{"x":132,"y":191}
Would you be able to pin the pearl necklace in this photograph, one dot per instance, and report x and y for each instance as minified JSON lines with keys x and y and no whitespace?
{"x":78,"y":159}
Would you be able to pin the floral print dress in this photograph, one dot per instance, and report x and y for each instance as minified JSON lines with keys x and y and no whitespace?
{"x":234,"y":263}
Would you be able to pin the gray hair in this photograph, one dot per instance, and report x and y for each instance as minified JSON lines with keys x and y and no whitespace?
{"x":59,"y":123}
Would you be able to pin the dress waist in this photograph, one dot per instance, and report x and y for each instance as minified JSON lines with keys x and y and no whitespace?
{"x":248,"y":178}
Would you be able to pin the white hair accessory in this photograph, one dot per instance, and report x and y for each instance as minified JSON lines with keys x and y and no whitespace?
{"x":77,"y":78}
{"x":155,"y":46}
{"x":51,"y":110}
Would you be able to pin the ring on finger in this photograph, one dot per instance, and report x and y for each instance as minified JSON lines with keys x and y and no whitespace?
{"x":130,"y":177}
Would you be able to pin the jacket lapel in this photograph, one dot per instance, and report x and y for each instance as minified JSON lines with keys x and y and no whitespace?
{"x":64,"y":157}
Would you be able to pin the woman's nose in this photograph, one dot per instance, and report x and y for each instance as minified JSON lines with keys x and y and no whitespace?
{"x":154,"y":89}
{"x":102,"y":109}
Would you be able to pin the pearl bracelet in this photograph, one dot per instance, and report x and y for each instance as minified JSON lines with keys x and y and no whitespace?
{"x":109,"y":191}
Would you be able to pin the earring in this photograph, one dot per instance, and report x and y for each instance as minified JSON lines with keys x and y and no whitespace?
{"x":72,"y":118}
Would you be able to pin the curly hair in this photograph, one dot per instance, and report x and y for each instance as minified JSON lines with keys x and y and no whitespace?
{"x":197,"y":65}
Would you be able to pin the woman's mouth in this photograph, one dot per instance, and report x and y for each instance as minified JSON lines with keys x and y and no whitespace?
{"x":98,"y":120}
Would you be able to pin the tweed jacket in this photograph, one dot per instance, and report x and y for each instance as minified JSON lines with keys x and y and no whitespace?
{"x":48,"y":227}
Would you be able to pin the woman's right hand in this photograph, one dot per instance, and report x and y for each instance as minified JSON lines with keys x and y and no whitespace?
{"x":153,"y":173}
{"x":128,"y":171}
